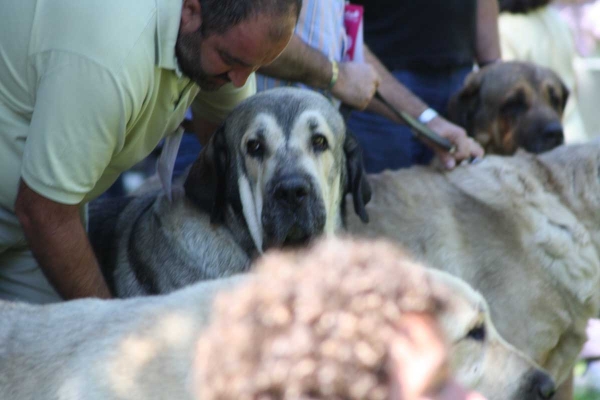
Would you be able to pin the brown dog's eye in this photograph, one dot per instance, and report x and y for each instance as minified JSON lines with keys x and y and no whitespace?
{"x":319,"y":143}
{"x":514,"y":106}
{"x":255,"y":148}
{"x":555,"y":100}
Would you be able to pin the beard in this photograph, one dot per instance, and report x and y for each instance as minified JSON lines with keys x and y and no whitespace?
{"x":187,"y":51}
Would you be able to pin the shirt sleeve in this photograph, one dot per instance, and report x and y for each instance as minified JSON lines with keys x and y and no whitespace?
{"x":78,"y":123}
{"x":215,"y":106}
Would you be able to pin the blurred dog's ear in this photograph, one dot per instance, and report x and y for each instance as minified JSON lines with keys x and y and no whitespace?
{"x":356,"y":179}
{"x":464,"y":104}
{"x":206,"y":183}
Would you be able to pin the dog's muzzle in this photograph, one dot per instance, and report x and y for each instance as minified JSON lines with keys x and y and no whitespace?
{"x":292,"y":192}
{"x":539,"y":387}
{"x":293,"y":212}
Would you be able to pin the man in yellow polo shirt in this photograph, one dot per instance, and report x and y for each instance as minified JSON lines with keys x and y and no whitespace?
{"x":88,"y":89}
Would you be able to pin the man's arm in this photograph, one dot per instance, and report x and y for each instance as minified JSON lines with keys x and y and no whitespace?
{"x":487,"y":45}
{"x":403,"y":99}
{"x":59,"y":243}
{"x":302,"y":63}
{"x":299,"y":62}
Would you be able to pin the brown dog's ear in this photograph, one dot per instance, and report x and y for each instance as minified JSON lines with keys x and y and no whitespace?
{"x":356,"y":179}
{"x":464,"y":104}
{"x":206,"y":183}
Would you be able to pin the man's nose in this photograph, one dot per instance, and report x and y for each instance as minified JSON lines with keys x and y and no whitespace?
{"x":239,"y":76}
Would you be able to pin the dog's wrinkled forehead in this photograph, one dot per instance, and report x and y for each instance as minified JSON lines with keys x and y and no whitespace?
{"x":526,"y":77}
{"x":283,"y":106}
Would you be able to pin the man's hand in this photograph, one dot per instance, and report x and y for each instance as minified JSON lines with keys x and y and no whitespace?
{"x":466,"y":147}
{"x":356,"y":84}
{"x":60,"y":245}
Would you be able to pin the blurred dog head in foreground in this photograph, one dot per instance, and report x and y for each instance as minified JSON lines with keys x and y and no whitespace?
{"x":341,"y":322}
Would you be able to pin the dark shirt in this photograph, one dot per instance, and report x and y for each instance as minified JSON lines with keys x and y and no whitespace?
{"x":421,"y":34}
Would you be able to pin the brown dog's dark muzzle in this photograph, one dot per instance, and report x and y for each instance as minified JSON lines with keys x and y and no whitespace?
{"x":552,"y":136}
{"x":539,"y":130}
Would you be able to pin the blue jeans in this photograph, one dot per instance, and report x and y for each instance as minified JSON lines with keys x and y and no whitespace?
{"x":388,"y":145}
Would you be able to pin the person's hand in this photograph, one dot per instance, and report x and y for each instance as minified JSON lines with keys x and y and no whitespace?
{"x":356,"y":84}
{"x":466,"y":147}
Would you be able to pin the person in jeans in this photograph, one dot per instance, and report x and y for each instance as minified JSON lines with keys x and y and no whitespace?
{"x":429,"y":46}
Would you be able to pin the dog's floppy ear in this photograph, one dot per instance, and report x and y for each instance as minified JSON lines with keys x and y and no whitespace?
{"x":464,"y":104}
{"x":356,"y":179}
{"x":206,"y":183}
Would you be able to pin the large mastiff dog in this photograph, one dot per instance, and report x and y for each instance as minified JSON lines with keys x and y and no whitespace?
{"x":523,"y":230}
{"x":274,"y":175}
{"x":143,"y":348}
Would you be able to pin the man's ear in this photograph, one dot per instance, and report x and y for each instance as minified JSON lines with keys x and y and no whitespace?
{"x":464,"y":104}
{"x":356,"y":179}
{"x":206,"y":183}
{"x":191,"y":16}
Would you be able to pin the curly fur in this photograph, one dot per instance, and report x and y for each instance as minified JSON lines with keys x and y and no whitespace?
{"x":313,"y":326}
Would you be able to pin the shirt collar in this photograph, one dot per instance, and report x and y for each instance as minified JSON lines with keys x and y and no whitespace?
{"x":167,"y":29}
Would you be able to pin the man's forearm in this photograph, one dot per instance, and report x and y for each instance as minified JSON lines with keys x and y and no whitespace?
{"x":393,"y":91}
{"x":399,"y":97}
{"x":60,"y":245}
{"x":487,"y":45}
{"x":300,"y":62}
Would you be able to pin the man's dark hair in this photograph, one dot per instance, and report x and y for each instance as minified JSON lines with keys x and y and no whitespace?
{"x":220,"y":15}
{"x":521,"y":6}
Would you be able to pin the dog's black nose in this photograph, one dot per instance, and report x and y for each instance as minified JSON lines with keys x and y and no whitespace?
{"x":542,"y":386}
{"x":292,"y":191}
{"x":552,"y":136}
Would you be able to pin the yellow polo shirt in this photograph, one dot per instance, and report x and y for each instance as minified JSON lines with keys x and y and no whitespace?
{"x":87,"y":90}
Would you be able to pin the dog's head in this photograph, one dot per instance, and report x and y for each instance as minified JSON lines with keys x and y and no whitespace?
{"x":479,"y":357}
{"x":343,"y":305}
{"x":509,"y":105}
{"x":283,"y":160}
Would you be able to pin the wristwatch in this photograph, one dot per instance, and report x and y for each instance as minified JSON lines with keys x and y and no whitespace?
{"x":335,"y":72}
{"x":427,"y":115}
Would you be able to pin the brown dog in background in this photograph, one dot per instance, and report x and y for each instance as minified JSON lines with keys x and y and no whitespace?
{"x":510,"y":105}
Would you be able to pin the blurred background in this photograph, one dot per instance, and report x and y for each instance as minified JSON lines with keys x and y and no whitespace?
{"x":583,"y":19}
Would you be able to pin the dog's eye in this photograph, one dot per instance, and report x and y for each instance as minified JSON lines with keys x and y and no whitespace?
{"x":555,"y":100}
{"x":319,"y":143}
{"x":255,"y":148}
{"x":477,"y":333}
{"x":514,"y":106}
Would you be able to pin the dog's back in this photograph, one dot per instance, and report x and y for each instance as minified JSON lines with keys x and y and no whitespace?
{"x":140,"y":348}
{"x":499,"y":226}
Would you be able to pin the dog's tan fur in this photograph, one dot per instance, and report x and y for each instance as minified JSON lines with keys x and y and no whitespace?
{"x":143,"y":348}
{"x":522,"y":230}
{"x":511,"y":105}
{"x":340,"y":301}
